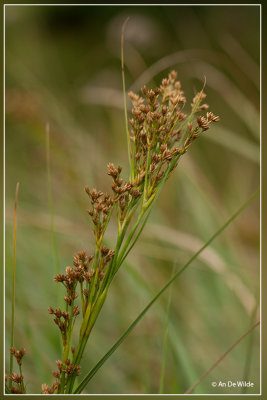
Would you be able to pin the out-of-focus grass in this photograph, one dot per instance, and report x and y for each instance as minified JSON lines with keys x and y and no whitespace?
{"x":61,"y":65}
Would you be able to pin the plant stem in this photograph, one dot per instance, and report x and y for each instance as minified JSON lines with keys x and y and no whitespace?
{"x":165,"y":340}
{"x":129,"y":238}
{"x":22,"y":383}
{"x":249,"y":350}
{"x":124,"y":97}
{"x":50,"y":199}
{"x":82,"y":299}
{"x":13,"y":283}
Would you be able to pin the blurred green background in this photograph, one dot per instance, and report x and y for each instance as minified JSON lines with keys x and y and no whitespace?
{"x":62,"y":66}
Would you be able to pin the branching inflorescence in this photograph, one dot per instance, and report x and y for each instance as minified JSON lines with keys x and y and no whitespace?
{"x":159,"y":134}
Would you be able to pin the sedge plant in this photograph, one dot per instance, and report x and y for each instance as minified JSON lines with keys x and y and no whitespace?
{"x":159,"y":132}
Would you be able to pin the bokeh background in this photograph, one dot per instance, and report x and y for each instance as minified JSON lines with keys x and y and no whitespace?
{"x":62,"y":66}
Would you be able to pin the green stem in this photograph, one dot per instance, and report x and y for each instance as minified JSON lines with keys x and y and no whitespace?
{"x":22,"y":383}
{"x":146,"y":176}
{"x":124,"y":96}
{"x":82,"y":298}
{"x":83,"y":341}
{"x":129,"y":238}
{"x":165,"y":340}
{"x":50,"y":199}
{"x":13,"y":283}
{"x":249,"y":350}
{"x":135,"y":239}
{"x":69,"y":333}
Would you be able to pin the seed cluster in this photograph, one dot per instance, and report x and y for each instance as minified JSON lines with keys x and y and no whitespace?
{"x":17,"y":378}
{"x":100,"y":211}
{"x":67,"y":369}
{"x":160,"y":133}
{"x":89,"y":278}
{"x":124,"y":192}
{"x":17,"y":354}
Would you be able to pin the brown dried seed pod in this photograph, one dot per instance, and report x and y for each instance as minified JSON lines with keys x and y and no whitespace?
{"x":133,"y":96}
{"x":59,"y":278}
{"x":76,"y":311}
{"x":104,"y":250}
{"x":212,"y":117}
{"x":203,"y":123}
{"x":135,"y":193}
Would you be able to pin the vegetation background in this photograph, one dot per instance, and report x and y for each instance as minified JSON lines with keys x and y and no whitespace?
{"x":62,"y":66}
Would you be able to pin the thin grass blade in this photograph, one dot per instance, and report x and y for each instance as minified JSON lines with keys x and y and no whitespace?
{"x":51,"y":212}
{"x":249,"y":349}
{"x":124,"y":94}
{"x":165,"y":340}
{"x":135,"y":239}
{"x":50,"y":199}
{"x":13,"y":283}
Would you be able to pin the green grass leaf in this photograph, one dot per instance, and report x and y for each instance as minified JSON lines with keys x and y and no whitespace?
{"x":13,"y":283}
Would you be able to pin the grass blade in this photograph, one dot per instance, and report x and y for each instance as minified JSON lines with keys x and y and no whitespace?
{"x":124,"y":94}
{"x":249,"y":351}
{"x":93,"y":371}
{"x":165,"y":341}
{"x":190,"y":390}
{"x":13,"y":283}
{"x":134,"y":241}
{"x":50,"y":199}
{"x":51,"y":212}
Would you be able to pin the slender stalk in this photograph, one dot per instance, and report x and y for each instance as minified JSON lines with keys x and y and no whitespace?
{"x":51,"y":210}
{"x":146,"y":176}
{"x":22,"y":383}
{"x":135,"y":239}
{"x":90,"y":296}
{"x":129,"y":238}
{"x":67,"y":347}
{"x":165,"y":340}
{"x":82,"y":298}
{"x":124,"y":96}
{"x":249,"y":349}
{"x":13,"y":283}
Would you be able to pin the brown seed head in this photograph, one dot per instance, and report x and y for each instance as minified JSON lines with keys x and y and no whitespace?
{"x":59,"y":365}
{"x":203,"y":123}
{"x":212,"y":117}
{"x":16,"y":378}
{"x":15,"y":390}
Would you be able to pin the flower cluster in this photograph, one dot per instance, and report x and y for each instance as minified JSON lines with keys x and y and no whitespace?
{"x":17,"y":354}
{"x":67,"y":369}
{"x":100,"y":212}
{"x":161,"y":131}
{"x":124,"y":192}
{"x":17,"y":378}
